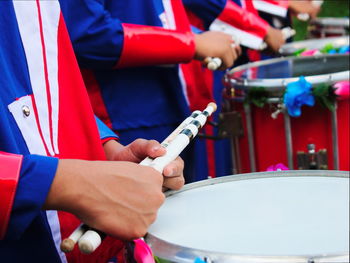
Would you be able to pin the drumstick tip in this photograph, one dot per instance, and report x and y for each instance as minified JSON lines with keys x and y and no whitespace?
{"x":213,"y":105}
{"x":67,"y":245}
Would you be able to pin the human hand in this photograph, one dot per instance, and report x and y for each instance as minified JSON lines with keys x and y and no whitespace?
{"x":304,"y":7}
{"x":120,"y":199}
{"x":274,"y":39}
{"x":216,"y":44}
{"x":139,"y":150}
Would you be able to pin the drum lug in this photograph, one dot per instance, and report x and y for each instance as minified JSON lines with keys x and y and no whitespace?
{"x":312,"y":159}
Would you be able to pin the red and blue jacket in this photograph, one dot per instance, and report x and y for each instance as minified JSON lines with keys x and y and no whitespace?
{"x":128,"y":52}
{"x":45,"y":114}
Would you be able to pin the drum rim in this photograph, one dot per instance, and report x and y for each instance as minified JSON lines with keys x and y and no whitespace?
{"x":290,"y":48}
{"x":330,"y":21}
{"x":166,"y":249}
{"x":278,"y":83}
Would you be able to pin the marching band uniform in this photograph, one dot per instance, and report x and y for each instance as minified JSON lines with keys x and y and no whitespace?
{"x":45,"y":114}
{"x":236,"y":18}
{"x":128,"y":52}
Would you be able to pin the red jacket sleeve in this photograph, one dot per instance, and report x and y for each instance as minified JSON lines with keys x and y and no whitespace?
{"x":10,"y":166}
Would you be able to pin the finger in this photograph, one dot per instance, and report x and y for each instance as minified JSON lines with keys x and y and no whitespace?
{"x":175,"y":168}
{"x":173,"y":183}
{"x":142,"y":148}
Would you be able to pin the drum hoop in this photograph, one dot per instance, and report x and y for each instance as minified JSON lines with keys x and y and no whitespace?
{"x":331,"y":21}
{"x":166,"y":250}
{"x":278,"y":83}
{"x":290,"y":48}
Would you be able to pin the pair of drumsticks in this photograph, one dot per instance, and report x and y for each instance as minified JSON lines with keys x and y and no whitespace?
{"x":89,"y":239}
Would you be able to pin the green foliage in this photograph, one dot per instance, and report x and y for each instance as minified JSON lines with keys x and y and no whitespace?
{"x":257,"y":96}
{"x":324,"y":95}
{"x":330,"y":8}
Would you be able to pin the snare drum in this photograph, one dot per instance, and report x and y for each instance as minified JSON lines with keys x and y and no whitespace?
{"x":328,"y":26}
{"x":312,"y":44}
{"x":289,"y":216}
{"x":318,"y":133}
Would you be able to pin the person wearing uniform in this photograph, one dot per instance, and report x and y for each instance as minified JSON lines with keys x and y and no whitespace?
{"x":129,"y":53}
{"x":238,"y":19}
{"x":53,"y":151}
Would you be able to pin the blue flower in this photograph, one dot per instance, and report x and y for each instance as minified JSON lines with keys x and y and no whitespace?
{"x":297,"y":94}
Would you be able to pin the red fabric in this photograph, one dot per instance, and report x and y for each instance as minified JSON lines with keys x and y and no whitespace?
{"x":242,"y":19}
{"x":95,"y":96}
{"x":78,"y":138}
{"x":282,"y":3}
{"x":73,"y":124}
{"x":159,"y":46}
{"x":195,"y":20}
{"x":181,"y":20}
{"x":199,"y":92}
{"x":10,"y":166}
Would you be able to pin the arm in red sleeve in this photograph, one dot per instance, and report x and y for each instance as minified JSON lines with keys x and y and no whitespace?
{"x":25,"y":183}
{"x":147,"y":45}
{"x":247,"y":26}
{"x":10,"y":165}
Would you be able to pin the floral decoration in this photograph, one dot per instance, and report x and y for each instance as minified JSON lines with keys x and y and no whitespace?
{"x":297,"y":94}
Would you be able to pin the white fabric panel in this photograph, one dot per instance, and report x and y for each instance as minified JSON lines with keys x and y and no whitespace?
{"x":169,"y":14}
{"x":30,"y":34}
{"x":50,"y":13}
{"x":54,"y":223}
{"x":270,"y":8}
{"x":27,"y":124}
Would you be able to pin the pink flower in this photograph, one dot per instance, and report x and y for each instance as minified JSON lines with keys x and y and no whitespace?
{"x":277,"y":167}
{"x":342,"y":89}
{"x":310,"y":52}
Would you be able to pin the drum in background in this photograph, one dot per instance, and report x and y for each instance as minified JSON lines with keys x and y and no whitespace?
{"x":328,"y":27}
{"x":311,"y":141}
{"x":290,"y":49}
{"x":289,"y":216}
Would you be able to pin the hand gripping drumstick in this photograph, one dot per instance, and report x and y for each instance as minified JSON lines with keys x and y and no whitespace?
{"x":215,"y":63}
{"x":305,"y":16}
{"x":172,"y":135}
{"x":89,"y":239}
{"x":287,"y":32}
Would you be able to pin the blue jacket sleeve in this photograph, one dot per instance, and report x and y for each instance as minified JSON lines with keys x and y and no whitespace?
{"x":97,"y":37}
{"x":105,"y":132}
{"x":36,"y":176}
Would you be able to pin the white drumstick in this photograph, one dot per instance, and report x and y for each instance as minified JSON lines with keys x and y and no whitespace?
{"x":171,"y":137}
{"x":180,"y":142}
{"x":213,"y":63}
{"x":175,"y":143}
{"x":68,"y":244}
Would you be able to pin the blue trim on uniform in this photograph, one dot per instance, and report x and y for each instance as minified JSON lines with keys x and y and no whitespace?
{"x":37,"y":174}
{"x":104,"y":131}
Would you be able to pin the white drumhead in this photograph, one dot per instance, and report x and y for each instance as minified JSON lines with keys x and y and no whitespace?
{"x":278,"y":216}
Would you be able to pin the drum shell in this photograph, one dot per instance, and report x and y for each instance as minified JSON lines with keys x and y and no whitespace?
{"x":314,"y":126}
{"x":170,"y":251}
